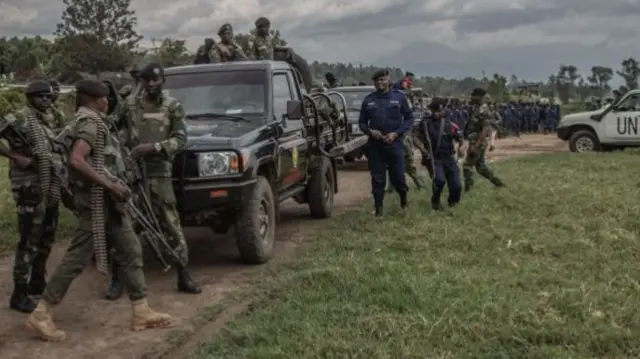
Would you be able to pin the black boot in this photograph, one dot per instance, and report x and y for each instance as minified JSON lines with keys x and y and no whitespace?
{"x":379,"y":211}
{"x":38,"y":280}
{"x":116,"y":289}
{"x":20,"y":299}
{"x":186,"y":283}
{"x":403,"y":201}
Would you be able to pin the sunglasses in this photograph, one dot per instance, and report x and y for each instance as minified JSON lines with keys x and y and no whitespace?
{"x":43,"y":96}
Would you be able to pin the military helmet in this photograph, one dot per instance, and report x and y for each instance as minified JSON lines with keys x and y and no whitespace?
{"x":225,"y":28}
{"x":262,"y":21}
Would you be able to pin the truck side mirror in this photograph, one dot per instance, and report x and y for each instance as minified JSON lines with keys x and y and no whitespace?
{"x":294,"y":110}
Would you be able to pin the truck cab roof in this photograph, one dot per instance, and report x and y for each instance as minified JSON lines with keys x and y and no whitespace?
{"x":228,"y":66}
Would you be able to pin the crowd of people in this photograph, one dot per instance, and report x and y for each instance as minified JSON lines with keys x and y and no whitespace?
{"x":387,"y":118}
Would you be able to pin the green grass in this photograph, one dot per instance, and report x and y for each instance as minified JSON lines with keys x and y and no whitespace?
{"x":8,"y":215}
{"x":548,"y":268}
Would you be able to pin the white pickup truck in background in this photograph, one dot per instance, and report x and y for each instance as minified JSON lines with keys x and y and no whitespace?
{"x":609,"y":128}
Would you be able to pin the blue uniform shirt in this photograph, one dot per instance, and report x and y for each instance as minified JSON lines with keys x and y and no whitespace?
{"x":386,"y":112}
{"x":450,"y":134}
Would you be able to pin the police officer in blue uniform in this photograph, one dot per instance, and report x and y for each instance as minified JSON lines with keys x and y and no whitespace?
{"x":385,"y":116}
{"x":443,"y":133}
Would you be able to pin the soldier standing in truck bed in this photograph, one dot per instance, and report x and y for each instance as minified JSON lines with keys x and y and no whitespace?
{"x":262,"y":45}
{"x":226,"y":50}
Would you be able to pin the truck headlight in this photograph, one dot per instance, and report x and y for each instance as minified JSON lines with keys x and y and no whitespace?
{"x":217,"y":163}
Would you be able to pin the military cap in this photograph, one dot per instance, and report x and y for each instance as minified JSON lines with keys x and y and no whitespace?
{"x":478,"y":92}
{"x":380,"y":73}
{"x":152,"y":70}
{"x":225,"y":28}
{"x":54,"y":84}
{"x":92,"y":88}
{"x":262,"y":21}
{"x":409,"y":74}
{"x":38,"y":88}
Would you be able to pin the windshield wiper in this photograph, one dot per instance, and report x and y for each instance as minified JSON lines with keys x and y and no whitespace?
{"x":218,"y":115}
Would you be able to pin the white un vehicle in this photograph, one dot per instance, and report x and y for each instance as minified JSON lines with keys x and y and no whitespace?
{"x":609,"y":128}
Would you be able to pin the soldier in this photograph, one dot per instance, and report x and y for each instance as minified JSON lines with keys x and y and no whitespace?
{"x":37,"y":214}
{"x":262,"y":46}
{"x":92,"y":145}
{"x":202,"y":55}
{"x":226,"y":50}
{"x":156,"y":135}
{"x":477,"y":130}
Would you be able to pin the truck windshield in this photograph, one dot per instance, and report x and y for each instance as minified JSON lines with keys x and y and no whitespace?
{"x":236,"y":93}
{"x":354,"y":98}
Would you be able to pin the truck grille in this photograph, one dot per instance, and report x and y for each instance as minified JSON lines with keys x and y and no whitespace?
{"x":185,"y":165}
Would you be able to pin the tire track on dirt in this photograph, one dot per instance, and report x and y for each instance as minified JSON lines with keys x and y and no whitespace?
{"x":100,"y":329}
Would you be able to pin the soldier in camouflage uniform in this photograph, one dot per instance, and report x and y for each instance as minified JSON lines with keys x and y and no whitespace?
{"x":478,"y":130}
{"x":91,"y":142}
{"x":202,"y":55}
{"x":262,"y":45}
{"x":37,"y":216}
{"x":156,"y":134}
{"x":226,"y":50}
{"x":55,"y":86}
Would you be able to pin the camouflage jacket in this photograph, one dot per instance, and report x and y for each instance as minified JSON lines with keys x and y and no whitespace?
{"x":160,"y":122}
{"x":19,"y":140}
{"x":261,"y":48}
{"x":226,"y":53}
{"x":481,"y":117}
{"x":87,"y":127}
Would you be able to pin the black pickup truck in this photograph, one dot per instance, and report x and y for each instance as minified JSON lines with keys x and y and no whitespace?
{"x":254,"y":140}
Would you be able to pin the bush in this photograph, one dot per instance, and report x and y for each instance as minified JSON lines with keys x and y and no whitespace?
{"x":13,"y":99}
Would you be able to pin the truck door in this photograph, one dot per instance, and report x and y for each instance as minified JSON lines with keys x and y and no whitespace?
{"x":621,"y":123}
{"x":292,"y":144}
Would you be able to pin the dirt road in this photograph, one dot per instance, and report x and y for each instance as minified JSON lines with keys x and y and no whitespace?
{"x":100,"y":329}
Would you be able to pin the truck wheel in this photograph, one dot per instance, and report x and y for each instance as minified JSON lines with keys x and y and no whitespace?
{"x":584,"y":141}
{"x":256,"y":225}
{"x":320,"y":190}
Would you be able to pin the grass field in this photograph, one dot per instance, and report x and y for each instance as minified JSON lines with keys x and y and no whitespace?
{"x":547,"y":268}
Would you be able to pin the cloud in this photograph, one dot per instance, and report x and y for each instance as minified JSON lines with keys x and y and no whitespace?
{"x":451,"y":37}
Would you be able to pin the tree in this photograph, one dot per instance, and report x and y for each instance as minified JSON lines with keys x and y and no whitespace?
{"x":497,"y":88}
{"x":170,"y":52}
{"x":98,"y":36}
{"x":630,"y":72}
{"x":600,"y":78}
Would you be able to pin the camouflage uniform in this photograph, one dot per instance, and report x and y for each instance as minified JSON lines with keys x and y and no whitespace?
{"x":37,"y":219}
{"x":229,"y":51}
{"x":262,"y":48}
{"x":161,"y":123}
{"x":226,"y":53}
{"x":480,"y":119}
{"x":118,"y":231}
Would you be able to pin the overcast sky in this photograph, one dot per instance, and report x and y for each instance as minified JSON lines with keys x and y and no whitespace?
{"x":436,"y":37}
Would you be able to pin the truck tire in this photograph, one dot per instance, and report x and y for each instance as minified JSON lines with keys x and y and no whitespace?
{"x":320,"y":190}
{"x":256,"y":225}
{"x":583,"y":141}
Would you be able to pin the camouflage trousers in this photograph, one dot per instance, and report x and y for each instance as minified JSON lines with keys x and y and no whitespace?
{"x":163,"y":200}
{"x":477,"y":160}
{"x":37,"y":225}
{"x":122,"y":238}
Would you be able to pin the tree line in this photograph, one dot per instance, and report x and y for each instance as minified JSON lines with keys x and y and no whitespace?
{"x":101,"y":36}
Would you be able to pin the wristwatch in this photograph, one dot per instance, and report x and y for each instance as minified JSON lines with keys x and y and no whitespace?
{"x":157,"y":147}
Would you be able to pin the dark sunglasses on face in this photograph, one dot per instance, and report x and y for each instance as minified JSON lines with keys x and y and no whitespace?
{"x":43,"y":96}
